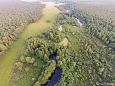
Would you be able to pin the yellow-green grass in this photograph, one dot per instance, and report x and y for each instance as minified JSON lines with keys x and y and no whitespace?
{"x":7,"y":60}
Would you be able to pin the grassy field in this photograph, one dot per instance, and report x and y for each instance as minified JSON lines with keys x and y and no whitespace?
{"x":7,"y":60}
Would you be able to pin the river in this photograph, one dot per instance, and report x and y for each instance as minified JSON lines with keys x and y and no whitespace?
{"x":7,"y":60}
{"x":56,"y":76}
{"x":80,"y":24}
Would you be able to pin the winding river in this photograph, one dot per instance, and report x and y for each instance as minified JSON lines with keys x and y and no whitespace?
{"x":55,"y":78}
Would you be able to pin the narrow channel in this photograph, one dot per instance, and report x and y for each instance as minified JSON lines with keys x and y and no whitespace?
{"x":56,"y":76}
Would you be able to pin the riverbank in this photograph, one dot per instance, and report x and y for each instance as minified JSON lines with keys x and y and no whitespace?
{"x":7,"y":60}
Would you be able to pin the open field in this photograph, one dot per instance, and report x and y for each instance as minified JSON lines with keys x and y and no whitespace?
{"x":7,"y":60}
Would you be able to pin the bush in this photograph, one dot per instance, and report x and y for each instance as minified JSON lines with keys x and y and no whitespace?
{"x":30,"y":60}
{"x":22,"y":58}
{"x":48,"y":21}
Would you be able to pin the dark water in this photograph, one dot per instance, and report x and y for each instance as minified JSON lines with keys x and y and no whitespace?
{"x":53,"y":57}
{"x":56,"y":76}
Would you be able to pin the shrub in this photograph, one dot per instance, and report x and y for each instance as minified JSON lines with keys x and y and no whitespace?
{"x":22,"y":58}
{"x":48,"y":21}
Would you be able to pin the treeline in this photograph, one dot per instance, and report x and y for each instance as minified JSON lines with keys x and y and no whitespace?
{"x":14,"y":17}
{"x":46,"y":74}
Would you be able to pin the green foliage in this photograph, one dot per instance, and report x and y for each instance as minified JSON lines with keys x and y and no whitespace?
{"x":87,"y":60}
{"x":55,"y":35}
{"x":27,"y":69}
{"x":30,"y":60}
{"x":22,"y":58}
{"x":37,"y":83}
{"x":48,"y":21}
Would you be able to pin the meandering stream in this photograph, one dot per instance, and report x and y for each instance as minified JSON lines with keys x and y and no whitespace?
{"x":56,"y":76}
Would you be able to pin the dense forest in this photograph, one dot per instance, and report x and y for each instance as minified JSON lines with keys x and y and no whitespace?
{"x":14,"y":17}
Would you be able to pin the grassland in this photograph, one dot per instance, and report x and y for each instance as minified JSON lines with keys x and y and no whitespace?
{"x":7,"y":60}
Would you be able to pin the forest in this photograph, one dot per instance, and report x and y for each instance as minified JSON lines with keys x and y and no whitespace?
{"x":14,"y":20}
{"x":94,"y":24}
